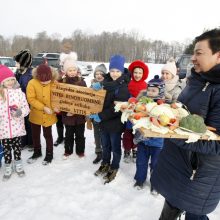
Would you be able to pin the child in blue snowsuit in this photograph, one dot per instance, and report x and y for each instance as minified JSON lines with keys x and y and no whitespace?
{"x":148,"y":148}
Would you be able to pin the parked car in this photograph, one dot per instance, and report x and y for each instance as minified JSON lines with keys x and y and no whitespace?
{"x":182,"y":63}
{"x":49,"y":55}
{"x":9,"y":62}
{"x":86,"y":69}
{"x":54,"y":62}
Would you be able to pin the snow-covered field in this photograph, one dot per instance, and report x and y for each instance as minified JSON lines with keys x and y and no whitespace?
{"x":68,"y":189}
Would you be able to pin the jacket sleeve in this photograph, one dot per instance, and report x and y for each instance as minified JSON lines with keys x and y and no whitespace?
{"x":201,"y":146}
{"x":32,"y":97}
{"x":24,"y":105}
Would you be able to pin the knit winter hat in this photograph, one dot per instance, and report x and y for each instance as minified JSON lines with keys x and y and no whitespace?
{"x":117,"y":62}
{"x":43,"y":73}
{"x":24,"y":58}
{"x":170,"y":67}
{"x":139,"y":64}
{"x":101,"y":68}
{"x":69,"y":61}
{"x":64,"y":56}
{"x":5,"y":73}
{"x":159,"y":83}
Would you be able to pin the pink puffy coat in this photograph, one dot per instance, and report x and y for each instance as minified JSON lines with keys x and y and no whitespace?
{"x":10,"y":126}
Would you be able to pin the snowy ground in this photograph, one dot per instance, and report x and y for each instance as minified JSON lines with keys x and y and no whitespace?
{"x":68,"y":190}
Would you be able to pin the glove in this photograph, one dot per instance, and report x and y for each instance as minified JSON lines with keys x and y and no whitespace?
{"x":95,"y":117}
{"x":15,"y":111}
{"x":138,"y":137}
{"x":96,"y":86}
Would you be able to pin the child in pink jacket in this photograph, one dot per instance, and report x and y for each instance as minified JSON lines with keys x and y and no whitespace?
{"x":13,"y":109}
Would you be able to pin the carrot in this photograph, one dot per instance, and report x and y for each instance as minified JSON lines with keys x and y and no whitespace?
{"x":211,"y":128}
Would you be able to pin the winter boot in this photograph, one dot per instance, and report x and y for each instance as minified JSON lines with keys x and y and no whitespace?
{"x":35,"y":156}
{"x":127,"y":156}
{"x":134,"y":155}
{"x":169,"y":212}
{"x":153,"y":191}
{"x":8,"y":172}
{"x":19,"y":168}
{"x":138,"y":185}
{"x":48,"y":158}
{"x":102,"y":170}
{"x":110,"y":175}
{"x":98,"y":158}
{"x":58,"y":141}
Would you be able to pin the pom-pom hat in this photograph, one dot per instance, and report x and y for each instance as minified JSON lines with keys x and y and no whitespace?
{"x":117,"y":62}
{"x":5,"y":73}
{"x":170,"y":67}
{"x":24,"y":58}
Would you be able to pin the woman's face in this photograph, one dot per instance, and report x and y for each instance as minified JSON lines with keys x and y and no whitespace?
{"x":72,"y":72}
{"x":115,"y":74}
{"x":203,"y":59}
{"x":165,"y":75}
{"x":9,"y":83}
{"x":138,"y":74}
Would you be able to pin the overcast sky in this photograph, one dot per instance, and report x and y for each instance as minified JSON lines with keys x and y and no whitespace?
{"x":157,"y":19}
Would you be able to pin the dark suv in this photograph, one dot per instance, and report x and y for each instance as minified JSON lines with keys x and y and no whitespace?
{"x":182,"y":64}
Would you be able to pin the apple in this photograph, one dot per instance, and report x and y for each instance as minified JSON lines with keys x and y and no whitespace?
{"x":132,"y":100}
{"x":163,"y":120}
{"x":160,"y":101}
{"x":140,"y":107}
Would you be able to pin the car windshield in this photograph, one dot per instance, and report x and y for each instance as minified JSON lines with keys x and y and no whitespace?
{"x":37,"y":61}
{"x":7,"y":61}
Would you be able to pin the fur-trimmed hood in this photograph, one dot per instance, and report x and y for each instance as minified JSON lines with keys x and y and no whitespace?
{"x":55,"y":74}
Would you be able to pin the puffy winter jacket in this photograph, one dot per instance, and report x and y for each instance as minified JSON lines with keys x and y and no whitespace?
{"x":173,"y":177}
{"x":116,"y":91}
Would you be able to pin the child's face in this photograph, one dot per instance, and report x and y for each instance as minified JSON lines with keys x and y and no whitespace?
{"x":72,"y":72}
{"x":165,"y":75}
{"x":138,"y":73}
{"x":115,"y":74}
{"x":9,"y":83}
{"x":99,"y":76}
{"x":17,"y":65}
{"x":152,"y":92}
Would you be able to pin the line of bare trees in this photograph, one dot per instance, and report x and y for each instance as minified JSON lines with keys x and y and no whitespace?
{"x":96,"y":47}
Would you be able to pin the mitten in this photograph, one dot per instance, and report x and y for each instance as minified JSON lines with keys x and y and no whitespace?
{"x":96,"y":86}
{"x":95,"y":117}
{"x":17,"y":113}
{"x":138,"y":137}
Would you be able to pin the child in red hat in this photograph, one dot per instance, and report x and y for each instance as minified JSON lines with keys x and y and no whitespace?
{"x":139,"y":73}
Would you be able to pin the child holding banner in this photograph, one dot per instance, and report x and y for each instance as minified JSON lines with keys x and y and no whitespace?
{"x":99,"y":73}
{"x":74,"y":123}
{"x":41,"y":115}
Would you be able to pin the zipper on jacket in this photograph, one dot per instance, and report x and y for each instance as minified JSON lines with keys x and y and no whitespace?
{"x":193,"y":174}
{"x":205,"y":87}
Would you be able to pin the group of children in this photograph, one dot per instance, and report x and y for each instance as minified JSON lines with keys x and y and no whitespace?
{"x":120,"y":84}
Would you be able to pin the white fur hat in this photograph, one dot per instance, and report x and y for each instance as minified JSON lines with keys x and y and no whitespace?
{"x":170,"y":67}
{"x":63,"y":56}
{"x":68,"y":60}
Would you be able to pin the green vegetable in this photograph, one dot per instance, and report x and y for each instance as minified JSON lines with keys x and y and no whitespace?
{"x":194,"y":123}
{"x":145,"y":100}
